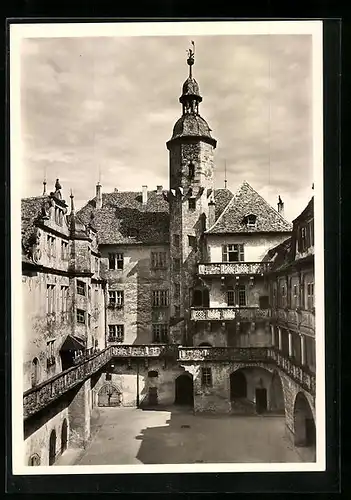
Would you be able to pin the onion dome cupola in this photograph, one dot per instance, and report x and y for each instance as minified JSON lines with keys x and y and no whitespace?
{"x":191,"y":124}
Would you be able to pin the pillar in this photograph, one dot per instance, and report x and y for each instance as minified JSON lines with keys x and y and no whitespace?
{"x":279,"y":338}
{"x":79,"y":416}
{"x":303,"y":350}
{"x":290,"y":345}
{"x":272,"y":334}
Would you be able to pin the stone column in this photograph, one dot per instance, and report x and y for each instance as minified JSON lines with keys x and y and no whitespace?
{"x":290,"y":345}
{"x":79,"y":416}
{"x":303,"y":350}
{"x":272,"y":334}
{"x":279,"y":338}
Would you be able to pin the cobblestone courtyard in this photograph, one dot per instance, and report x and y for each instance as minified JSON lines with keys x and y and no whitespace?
{"x":133,"y":436}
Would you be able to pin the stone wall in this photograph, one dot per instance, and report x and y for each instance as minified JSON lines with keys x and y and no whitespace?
{"x":137,"y":280}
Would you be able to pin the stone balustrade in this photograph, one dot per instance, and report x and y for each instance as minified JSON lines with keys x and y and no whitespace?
{"x":298,"y":318}
{"x":299,"y":373}
{"x":139,"y":351}
{"x":229,"y":313}
{"x":196,"y":354}
{"x":233,"y":268}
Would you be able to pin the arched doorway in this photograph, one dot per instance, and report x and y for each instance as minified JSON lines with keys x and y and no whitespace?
{"x":35,"y":372}
{"x":109,"y":396}
{"x":277,"y":403}
{"x":64,"y":436}
{"x":52,"y":447}
{"x":238,"y":385}
{"x":304,"y":425}
{"x":184,"y":391}
{"x":34,"y":460}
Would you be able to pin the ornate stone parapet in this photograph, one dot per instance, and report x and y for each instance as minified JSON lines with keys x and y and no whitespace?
{"x":229,"y":313}
{"x":196,"y":354}
{"x":233,"y":268}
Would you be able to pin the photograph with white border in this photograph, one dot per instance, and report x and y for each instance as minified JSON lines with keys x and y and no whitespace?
{"x":167,"y":307}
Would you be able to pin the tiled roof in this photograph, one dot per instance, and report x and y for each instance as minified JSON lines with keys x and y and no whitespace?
{"x":245,"y":202}
{"x":280,"y":255}
{"x":124,"y":220}
{"x":307,"y":212}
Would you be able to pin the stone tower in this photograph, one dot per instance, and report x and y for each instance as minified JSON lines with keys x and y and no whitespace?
{"x":191,"y":184}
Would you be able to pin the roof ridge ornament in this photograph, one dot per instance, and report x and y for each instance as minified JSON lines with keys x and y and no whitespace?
{"x":191,"y":58}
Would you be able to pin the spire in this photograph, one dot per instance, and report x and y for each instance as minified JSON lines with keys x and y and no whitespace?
{"x":190,"y":97}
{"x":44,"y":187}
{"x":225,"y":174}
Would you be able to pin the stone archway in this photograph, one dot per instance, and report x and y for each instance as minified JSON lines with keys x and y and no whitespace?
{"x":109,"y":395}
{"x":184,"y":390}
{"x":238,"y":385}
{"x":304,"y":424}
{"x":52,"y":447}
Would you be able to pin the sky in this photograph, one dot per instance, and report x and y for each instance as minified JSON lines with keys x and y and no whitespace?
{"x":105,"y":107}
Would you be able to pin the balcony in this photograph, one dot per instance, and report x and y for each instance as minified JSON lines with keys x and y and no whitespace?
{"x":295,"y":318}
{"x":229,"y":314}
{"x":141,"y":351}
{"x":222,"y":354}
{"x":233,"y":268}
{"x":300,"y":374}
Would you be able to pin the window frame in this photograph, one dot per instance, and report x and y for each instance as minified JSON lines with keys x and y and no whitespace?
{"x":160,"y":333}
{"x":238,"y":249}
{"x":206,"y":376}
{"x":80,"y":313}
{"x":160,"y":298}
{"x":116,"y":333}
{"x":192,"y":203}
{"x":158,"y":260}
{"x":81,"y":286}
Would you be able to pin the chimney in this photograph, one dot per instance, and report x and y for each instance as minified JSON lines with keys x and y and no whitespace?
{"x":159,"y":189}
{"x":211,"y":213}
{"x":144,"y":195}
{"x":98,"y":195}
{"x":280,"y":206}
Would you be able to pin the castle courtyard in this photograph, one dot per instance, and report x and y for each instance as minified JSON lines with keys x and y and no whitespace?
{"x":175,"y":436}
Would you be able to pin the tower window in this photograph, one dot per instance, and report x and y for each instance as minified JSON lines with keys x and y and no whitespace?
{"x":191,"y":170}
{"x":192,"y":203}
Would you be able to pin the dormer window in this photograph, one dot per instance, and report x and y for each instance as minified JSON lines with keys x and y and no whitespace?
{"x":250,"y":221}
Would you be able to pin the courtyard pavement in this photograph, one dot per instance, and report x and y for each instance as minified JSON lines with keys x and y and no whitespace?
{"x":134,"y":436}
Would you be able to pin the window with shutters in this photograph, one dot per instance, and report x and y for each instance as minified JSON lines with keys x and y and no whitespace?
{"x":233,"y":253}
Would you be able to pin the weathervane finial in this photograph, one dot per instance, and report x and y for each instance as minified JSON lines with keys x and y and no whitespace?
{"x":191,"y":57}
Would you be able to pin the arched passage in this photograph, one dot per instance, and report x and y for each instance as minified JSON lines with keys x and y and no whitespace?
{"x":238,"y":385}
{"x":109,"y":396}
{"x":184,"y":391}
{"x":304,"y":425}
{"x":64,"y":436}
{"x":277,"y":403}
{"x":52,"y":447}
{"x":35,"y":372}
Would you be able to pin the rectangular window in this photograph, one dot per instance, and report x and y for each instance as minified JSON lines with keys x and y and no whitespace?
{"x":241,"y":295}
{"x":177,"y":311}
{"x":64,"y":298}
{"x":120,"y":260}
{"x":112,"y":261}
{"x":112,"y":298}
{"x":80,"y":316}
{"x":206,"y":377}
{"x":120,"y":298}
{"x":160,"y":333}
{"x":64,"y":250}
{"x":50,"y":299}
{"x":310,"y":296}
{"x":176,"y":240}
{"x":81,"y":287}
{"x":176,"y":264}
{"x":158,"y":260}
{"x":116,"y":333}
{"x":192,"y":241}
{"x":233,"y":253}
{"x":192,"y":203}
{"x":160,"y":298}
{"x":50,"y":346}
{"x":97,"y":265}
{"x":230,"y":298}
{"x":177,"y":290}
{"x":51,"y":244}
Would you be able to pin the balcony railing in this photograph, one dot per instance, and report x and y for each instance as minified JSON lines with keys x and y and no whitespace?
{"x":140,"y":351}
{"x":233,"y":268}
{"x":222,"y":354}
{"x":299,"y":318}
{"x":229,"y":313}
{"x":300,"y":374}
{"x":43,"y":394}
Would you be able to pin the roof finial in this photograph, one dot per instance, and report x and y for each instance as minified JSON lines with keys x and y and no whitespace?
{"x":72,"y":202}
{"x":44,"y":189}
{"x":191,"y":58}
{"x":225,"y":174}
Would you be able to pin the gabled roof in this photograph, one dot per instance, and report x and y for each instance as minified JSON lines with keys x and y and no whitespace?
{"x":123,"y":219}
{"x":307,"y":212}
{"x":247,"y":201}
